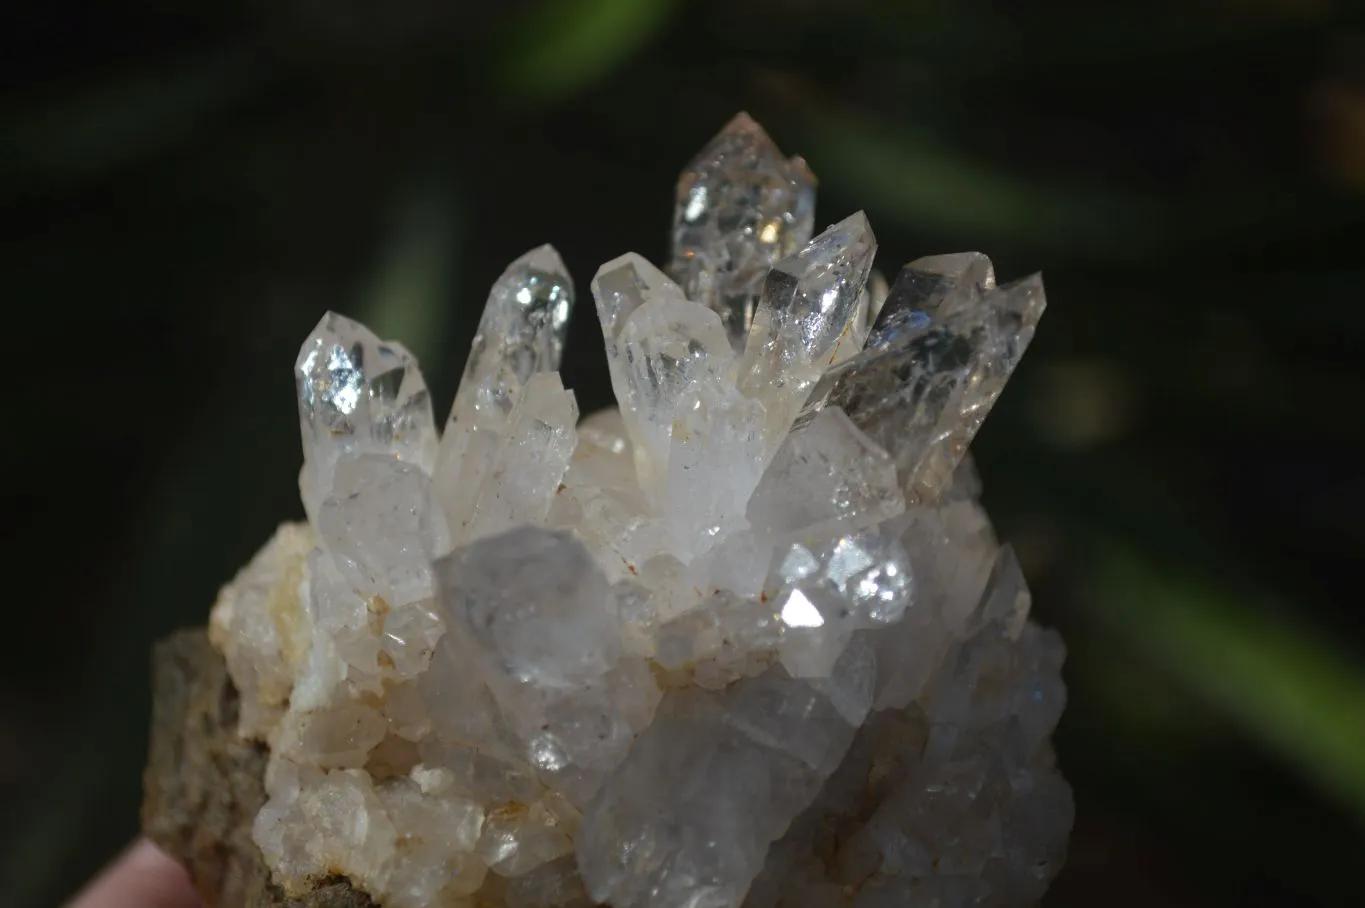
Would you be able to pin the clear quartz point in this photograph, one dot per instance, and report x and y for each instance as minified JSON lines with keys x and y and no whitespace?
{"x":358,"y":395}
{"x":807,"y":320}
{"x":923,"y":394}
{"x":741,"y":206}
{"x":696,"y":441}
{"x":619,"y":288}
{"x":669,"y":348}
{"x":622,"y":285}
{"x":929,"y":288}
{"x":520,"y":334}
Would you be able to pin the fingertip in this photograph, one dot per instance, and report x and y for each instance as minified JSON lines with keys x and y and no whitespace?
{"x":144,"y":876}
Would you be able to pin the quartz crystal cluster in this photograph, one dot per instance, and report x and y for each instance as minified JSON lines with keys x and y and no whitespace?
{"x":747,"y":640}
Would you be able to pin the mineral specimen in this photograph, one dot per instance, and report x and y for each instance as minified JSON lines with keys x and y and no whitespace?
{"x":748,"y":640}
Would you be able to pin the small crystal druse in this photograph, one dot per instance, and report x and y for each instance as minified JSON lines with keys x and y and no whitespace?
{"x":747,"y":640}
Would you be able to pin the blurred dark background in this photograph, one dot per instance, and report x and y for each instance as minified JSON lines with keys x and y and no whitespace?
{"x":186,"y":187}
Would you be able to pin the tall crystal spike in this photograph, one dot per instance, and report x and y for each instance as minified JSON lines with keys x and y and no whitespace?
{"x":358,"y":395}
{"x":521,"y":333}
{"x":922,"y":395}
{"x":740,"y":208}
{"x":807,"y":320}
{"x":660,"y":347}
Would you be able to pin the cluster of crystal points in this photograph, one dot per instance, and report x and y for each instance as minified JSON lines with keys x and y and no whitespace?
{"x":747,"y":641}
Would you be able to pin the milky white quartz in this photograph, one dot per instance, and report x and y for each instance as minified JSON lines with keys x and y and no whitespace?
{"x":746,"y":640}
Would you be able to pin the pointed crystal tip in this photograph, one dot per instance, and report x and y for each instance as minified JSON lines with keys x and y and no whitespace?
{"x":742,"y":147}
{"x":522,"y":328}
{"x":334,"y":366}
{"x":963,"y":267}
{"x":854,"y":231}
{"x":930,"y":289}
{"x":639,"y":268}
{"x":740,"y":206}
{"x":743,"y":123}
{"x":358,"y":394}
{"x":542,"y":258}
{"x":841,"y":256}
{"x":622,"y":285}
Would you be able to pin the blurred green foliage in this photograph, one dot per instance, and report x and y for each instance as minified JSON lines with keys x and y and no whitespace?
{"x":1297,"y":692}
{"x":560,"y":46}
{"x":1177,"y":460}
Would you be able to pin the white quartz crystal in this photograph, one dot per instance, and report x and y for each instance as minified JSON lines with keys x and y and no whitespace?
{"x":748,"y":640}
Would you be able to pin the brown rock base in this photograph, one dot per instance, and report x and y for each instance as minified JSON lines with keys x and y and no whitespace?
{"x":203,"y":785}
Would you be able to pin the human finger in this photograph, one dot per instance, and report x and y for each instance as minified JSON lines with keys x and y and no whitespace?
{"x":144,"y":876}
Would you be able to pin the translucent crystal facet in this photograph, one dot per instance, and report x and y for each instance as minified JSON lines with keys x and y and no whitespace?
{"x":523,"y":476}
{"x":824,"y":590}
{"x":746,"y":640}
{"x":669,"y":347}
{"x":382,"y":527}
{"x":740,"y":764}
{"x":358,"y":395}
{"x":808,"y":319}
{"x":930,"y":288}
{"x":545,"y":638}
{"x":923,"y":394}
{"x":521,"y":334}
{"x":741,"y":206}
{"x":697,"y":442}
{"x":537,"y":604}
{"x":826,"y":474}
{"x":619,"y":288}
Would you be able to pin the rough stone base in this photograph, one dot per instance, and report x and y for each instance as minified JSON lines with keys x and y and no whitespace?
{"x":203,"y":785}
